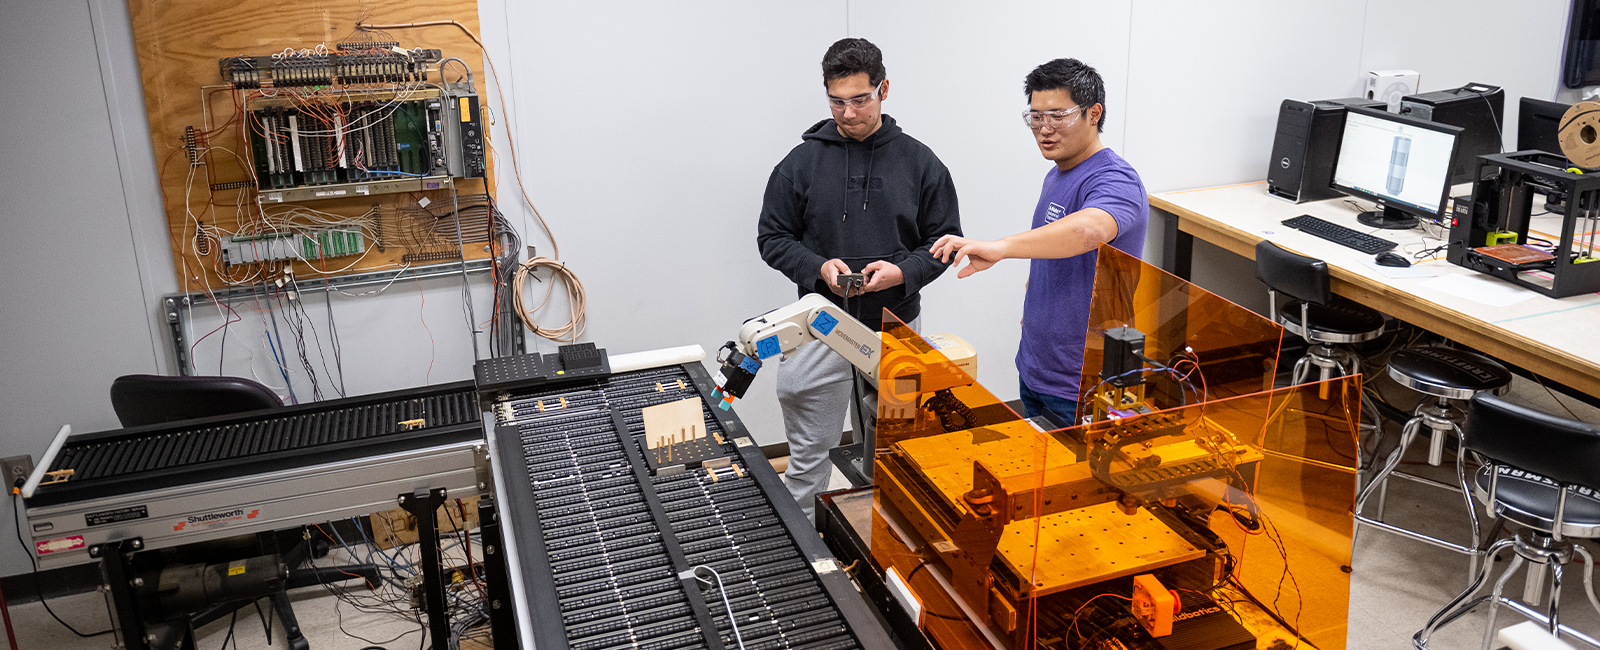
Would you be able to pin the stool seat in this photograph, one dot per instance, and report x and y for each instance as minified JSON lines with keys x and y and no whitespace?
{"x":1447,"y":372}
{"x":1530,"y":500}
{"x":1338,"y":321}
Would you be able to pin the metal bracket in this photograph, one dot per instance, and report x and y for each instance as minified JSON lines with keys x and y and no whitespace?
{"x":424,"y":505}
{"x":483,"y":468}
{"x":501,"y":616}
{"x":176,"y":306}
{"x":116,"y":570}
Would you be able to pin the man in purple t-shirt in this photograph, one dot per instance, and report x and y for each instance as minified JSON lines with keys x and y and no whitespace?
{"x":1090,"y":197}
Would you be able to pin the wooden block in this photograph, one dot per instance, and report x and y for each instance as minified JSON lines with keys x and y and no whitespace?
{"x":672,"y":422}
{"x":397,"y":527}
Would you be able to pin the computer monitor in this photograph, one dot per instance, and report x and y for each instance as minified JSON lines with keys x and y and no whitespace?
{"x":1400,"y":163}
{"x":1538,"y":122}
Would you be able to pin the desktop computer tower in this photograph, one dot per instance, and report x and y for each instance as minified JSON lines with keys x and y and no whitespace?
{"x":1304,"y":146}
{"x":1479,"y":109}
{"x":1538,"y":124}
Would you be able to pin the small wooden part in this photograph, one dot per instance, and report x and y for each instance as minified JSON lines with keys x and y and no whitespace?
{"x":397,"y":527}
{"x":663,"y":421}
{"x":563,"y":402}
{"x":681,"y":386}
{"x":413,"y":424}
{"x":58,"y":476}
{"x":718,"y":436}
{"x":738,"y":470}
{"x":660,"y":388}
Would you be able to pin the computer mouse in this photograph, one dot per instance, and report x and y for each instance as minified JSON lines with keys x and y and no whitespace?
{"x":1391,"y":259}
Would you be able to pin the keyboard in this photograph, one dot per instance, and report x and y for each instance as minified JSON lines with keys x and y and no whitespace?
{"x":1339,"y":234}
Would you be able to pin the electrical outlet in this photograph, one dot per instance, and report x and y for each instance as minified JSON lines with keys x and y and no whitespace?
{"x":17,"y":467}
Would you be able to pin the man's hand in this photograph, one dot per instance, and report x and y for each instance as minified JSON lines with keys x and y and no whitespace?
{"x":830,"y":275}
{"x":882,"y":275}
{"x":979,"y":254}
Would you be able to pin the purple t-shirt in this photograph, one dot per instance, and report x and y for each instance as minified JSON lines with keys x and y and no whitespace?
{"x":1055,"y":314}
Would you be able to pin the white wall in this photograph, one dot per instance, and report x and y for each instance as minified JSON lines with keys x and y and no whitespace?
{"x":646,"y":132}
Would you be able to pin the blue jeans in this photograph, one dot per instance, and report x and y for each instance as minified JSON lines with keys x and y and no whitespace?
{"x":1060,"y":409}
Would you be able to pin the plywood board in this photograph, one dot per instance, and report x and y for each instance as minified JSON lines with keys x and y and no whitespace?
{"x":673,"y":422}
{"x":179,"y":43}
{"x":397,"y":527}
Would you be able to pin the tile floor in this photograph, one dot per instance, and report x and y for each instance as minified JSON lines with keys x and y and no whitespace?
{"x":1396,"y":585}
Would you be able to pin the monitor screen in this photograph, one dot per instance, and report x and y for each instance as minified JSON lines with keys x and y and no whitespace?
{"x":1399,"y":162}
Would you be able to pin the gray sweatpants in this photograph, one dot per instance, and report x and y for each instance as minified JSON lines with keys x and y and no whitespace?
{"x":814,"y":391}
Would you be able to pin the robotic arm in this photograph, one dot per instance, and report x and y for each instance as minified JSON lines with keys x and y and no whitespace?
{"x":783,"y":330}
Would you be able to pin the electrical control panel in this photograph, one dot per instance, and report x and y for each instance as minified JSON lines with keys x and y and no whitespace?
{"x":467,"y":128}
{"x":360,"y":120}
{"x":346,"y":142}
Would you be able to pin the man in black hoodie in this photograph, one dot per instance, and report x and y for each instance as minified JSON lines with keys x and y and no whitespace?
{"x":857,"y":195}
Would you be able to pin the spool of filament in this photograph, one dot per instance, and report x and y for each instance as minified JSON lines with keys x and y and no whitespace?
{"x":1580,"y":134}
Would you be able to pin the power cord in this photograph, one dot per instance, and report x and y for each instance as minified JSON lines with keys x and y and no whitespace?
{"x":16,"y":512}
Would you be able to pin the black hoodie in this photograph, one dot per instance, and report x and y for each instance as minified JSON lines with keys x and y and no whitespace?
{"x":815,"y":210}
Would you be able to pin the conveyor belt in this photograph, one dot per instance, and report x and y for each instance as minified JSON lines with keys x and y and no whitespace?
{"x":607,"y":550}
{"x":165,"y":455}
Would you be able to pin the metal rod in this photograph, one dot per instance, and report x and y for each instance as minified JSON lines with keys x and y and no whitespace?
{"x":1367,"y":521}
{"x":178,"y":305}
{"x":351,"y":281}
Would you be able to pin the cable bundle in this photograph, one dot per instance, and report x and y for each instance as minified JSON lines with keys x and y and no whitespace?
{"x":573,"y":328}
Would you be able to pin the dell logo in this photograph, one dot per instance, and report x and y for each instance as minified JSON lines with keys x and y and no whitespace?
{"x":1284,"y":163}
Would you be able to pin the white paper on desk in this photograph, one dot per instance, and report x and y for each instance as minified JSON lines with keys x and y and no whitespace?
{"x":1488,"y":291}
{"x":1395,"y":272}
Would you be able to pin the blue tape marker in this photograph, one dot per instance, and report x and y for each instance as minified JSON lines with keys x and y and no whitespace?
{"x":724,"y":405}
{"x":750,"y":365}
{"x":768,"y":346}
{"x":824,"y":323}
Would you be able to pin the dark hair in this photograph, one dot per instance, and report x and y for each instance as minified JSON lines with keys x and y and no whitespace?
{"x":852,"y":56}
{"x":1082,"y":82}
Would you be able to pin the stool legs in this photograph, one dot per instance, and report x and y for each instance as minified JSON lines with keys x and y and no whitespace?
{"x":1435,"y":417}
{"x":1538,"y":553}
{"x":1495,"y":596}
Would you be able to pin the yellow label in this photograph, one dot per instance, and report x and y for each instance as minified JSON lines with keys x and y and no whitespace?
{"x":235,"y":568}
{"x":466,"y":110}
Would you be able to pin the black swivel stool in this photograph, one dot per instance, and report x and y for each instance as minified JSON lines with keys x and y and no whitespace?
{"x":1315,"y":314}
{"x":1445,"y":374}
{"x":1540,"y":474}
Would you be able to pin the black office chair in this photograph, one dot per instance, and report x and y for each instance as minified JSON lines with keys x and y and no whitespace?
{"x":1315,"y":314}
{"x":152,"y":399}
{"x":1539,"y":473}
